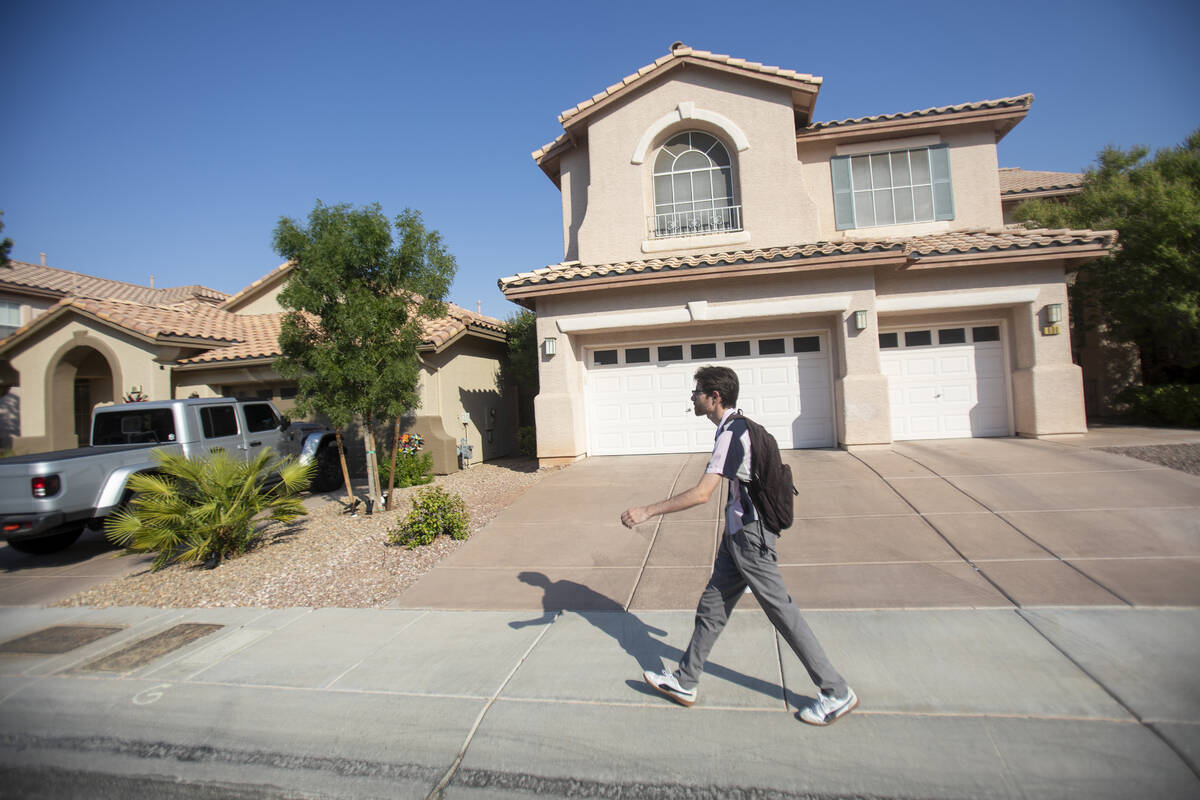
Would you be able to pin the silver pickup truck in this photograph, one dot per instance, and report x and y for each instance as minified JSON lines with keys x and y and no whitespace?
{"x":47,"y":499}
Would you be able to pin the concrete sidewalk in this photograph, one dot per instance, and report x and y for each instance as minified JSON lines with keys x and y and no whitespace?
{"x":1019,"y":618}
{"x":1048,"y":702}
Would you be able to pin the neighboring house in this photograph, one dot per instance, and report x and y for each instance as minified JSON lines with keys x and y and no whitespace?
{"x":1018,"y":185}
{"x":857,"y":274}
{"x":86,"y":340}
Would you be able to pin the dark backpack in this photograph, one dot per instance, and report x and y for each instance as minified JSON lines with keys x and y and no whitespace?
{"x":771,"y":486}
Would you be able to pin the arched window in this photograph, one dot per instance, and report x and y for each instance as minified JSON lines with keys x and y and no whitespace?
{"x":693,"y":188}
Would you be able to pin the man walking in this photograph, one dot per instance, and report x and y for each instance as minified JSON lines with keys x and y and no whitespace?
{"x":746,"y":557}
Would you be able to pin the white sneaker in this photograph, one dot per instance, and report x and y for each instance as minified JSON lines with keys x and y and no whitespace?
{"x":825,"y":709}
{"x":668,"y":684}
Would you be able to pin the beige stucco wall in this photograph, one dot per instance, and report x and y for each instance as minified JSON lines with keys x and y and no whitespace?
{"x":463,"y":379}
{"x":785,"y":189}
{"x":768,"y":180}
{"x":973,"y":173}
{"x":38,"y":362}
{"x":266,"y":303}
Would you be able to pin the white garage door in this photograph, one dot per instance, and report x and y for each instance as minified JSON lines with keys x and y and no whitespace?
{"x":946,"y":382}
{"x":638,"y":396}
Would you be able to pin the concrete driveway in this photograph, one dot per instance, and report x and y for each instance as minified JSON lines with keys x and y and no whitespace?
{"x":973,"y":523}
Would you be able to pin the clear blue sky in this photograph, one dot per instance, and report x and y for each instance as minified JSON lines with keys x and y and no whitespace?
{"x":168,"y":138}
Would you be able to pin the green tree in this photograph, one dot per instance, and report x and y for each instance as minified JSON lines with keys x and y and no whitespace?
{"x":209,"y":508}
{"x":521,"y":371}
{"x":356,"y":298}
{"x":1148,"y":291}
{"x":6,"y":245}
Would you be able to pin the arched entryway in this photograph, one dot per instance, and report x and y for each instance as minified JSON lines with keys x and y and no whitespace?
{"x":81,"y":378}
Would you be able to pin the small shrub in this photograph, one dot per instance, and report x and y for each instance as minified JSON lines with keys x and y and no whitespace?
{"x":1170,"y":404}
{"x":413,"y":468}
{"x":527,"y":441}
{"x":434,"y":512}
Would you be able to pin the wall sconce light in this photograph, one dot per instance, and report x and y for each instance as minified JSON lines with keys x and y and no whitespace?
{"x":549,"y":346}
{"x":1054,"y":313}
{"x":860,"y":320}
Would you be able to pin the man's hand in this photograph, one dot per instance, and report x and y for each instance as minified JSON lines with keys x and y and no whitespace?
{"x":634,"y":516}
{"x":692,"y":497}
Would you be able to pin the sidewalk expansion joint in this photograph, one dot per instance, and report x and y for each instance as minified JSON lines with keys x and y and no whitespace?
{"x":436,"y":793}
{"x":1179,"y":753}
{"x":653,"y":539}
{"x":988,"y":509}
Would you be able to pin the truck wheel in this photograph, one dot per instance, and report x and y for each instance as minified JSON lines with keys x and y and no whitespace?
{"x":328,"y":475}
{"x":42,"y":545}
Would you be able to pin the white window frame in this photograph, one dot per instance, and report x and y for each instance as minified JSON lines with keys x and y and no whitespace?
{"x":715,"y":214}
{"x":854,"y":186}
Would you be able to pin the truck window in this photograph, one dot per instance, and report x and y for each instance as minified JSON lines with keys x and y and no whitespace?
{"x":218,"y":421}
{"x":134,"y":426}
{"x":259,"y":417}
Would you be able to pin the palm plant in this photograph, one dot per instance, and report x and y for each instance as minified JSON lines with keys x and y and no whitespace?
{"x":209,"y":508}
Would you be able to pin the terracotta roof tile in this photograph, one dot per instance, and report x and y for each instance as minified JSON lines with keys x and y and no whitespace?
{"x":76,"y":284}
{"x":163,"y":321}
{"x":260,"y":339}
{"x":913,"y":247}
{"x":1019,"y":101}
{"x":260,"y":334}
{"x":680,"y":52}
{"x":1014,"y":180}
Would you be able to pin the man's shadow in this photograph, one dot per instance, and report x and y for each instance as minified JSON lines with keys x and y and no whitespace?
{"x":633,"y":635}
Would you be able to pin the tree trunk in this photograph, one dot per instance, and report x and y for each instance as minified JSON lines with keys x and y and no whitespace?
{"x":345,"y":471}
{"x":372,"y":463}
{"x":392,"y":474}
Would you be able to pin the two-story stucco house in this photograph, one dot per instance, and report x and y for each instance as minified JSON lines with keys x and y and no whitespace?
{"x":856,"y":274}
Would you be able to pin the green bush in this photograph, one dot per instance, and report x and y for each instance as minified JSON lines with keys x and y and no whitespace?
{"x":206,"y":509}
{"x":434,"y":512}
{"x":412,"y":469}
{"x":1170,"y":404}
{"x":527,"y":441}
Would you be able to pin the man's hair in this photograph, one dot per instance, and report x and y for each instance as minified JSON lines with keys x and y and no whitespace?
{"x":721,"y":380}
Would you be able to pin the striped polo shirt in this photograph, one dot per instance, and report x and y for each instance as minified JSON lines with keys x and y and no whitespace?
{"x":731,"y":459}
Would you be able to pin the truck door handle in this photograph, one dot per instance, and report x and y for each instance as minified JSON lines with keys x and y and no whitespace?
{"x":255,"y":444}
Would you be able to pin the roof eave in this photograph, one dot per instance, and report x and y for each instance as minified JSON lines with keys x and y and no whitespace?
{"x":249,"y":361}
{"x":1002,"y":119}
{"x":1032,"y":194}
{"x":478,"y":331}
{"x":522,"y":294}
{"x":801,"y":90}
{"x":1068,"y":254}
{"x":35,"y":291}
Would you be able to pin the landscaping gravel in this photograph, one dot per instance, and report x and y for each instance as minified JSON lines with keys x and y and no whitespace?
{"x":327,"y":559}
{"x":1184,"y":457}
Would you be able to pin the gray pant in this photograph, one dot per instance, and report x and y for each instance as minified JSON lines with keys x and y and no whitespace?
{"x":748,"y":558}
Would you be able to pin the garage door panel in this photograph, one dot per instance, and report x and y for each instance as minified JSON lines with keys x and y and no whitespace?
{"x":645,"y":408}
{"x":955,"y":366}
{"x":990,"y":365}
{"x":957,"y":393}
{"x":640,"y":412}
{"x":639,"y":383}
{"x":922,"y":366}
{"x":777,"y":405}
{"x":675,"y":380}
{"x":947,"y":391}
{"x":776,"y":376}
